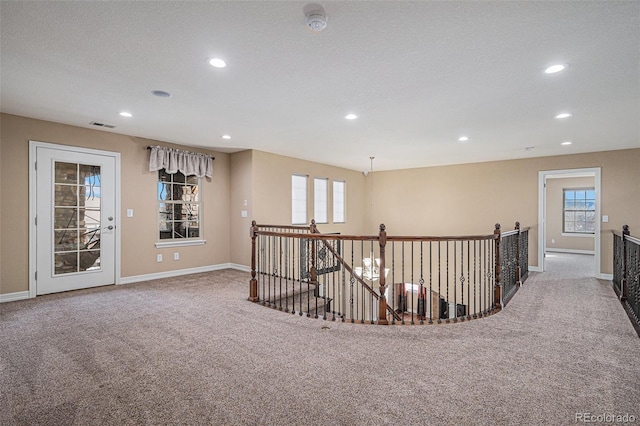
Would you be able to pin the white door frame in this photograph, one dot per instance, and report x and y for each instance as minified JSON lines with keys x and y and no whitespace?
{"x":542,"y":211}
{"x":33,"y":145}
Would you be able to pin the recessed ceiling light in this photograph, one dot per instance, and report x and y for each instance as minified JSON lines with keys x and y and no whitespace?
{"x":566,"y":143}
{"x":126,"y":114}
{"x":350,"y":116}
{"x":217,"y":63}
{"x":564,"y":115}
{"x":555,"y":68}
{"x":226,"y":137}
{"x":463,"y":138}
{"x":161,"y":93}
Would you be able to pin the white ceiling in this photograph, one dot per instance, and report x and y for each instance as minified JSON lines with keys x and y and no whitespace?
{"x":418,"y":75}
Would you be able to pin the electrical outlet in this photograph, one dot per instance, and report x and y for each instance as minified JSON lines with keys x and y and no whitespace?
{"x":553,"y":241}
{"x":129,"y":212}
{"x":159,"y":258}
{"x":176,"y":256}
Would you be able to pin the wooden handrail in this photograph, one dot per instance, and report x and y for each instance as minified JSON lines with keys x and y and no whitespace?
{"x":356,"y":276}
{"x":495,"y":294}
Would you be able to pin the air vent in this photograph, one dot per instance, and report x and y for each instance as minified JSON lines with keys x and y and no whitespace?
{"x":108,"y":126}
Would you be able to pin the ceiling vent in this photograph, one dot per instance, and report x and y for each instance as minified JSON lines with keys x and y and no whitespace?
{"x":108,"y":126}
{"x":315,"y":17}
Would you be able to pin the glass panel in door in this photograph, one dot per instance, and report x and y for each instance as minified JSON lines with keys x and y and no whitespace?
{"x":77,"y":214}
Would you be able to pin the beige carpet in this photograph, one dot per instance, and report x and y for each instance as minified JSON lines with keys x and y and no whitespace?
{"x":194,"y":351}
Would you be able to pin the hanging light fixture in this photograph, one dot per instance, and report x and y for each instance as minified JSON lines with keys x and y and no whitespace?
{"x":371,"y":197}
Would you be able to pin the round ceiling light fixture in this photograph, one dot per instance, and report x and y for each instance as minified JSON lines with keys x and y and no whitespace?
{"x":564,"y":115}
{"x":217,"y":63}
{"x":161,"y":93}
{"x":554,"y":68}
{"x":315,"y":17}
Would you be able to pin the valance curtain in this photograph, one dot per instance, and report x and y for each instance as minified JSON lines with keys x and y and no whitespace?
{"x":174,"y":160}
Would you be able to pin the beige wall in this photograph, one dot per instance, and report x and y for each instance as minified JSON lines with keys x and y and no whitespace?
{"x":471,"y":198}
{"x":241,"y":190}
{"x":272,"y":191}
{"x":265,"y":179}
{"x":459,"y":199}
{"x":554,"y":238}
{"x":138,"y":192}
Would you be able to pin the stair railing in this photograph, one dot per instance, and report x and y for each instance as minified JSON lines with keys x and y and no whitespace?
{"x":407,"y":279}
{"x":626,"y":273}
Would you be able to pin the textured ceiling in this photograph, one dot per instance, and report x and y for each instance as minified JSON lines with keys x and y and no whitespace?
{"x":418,"y":75}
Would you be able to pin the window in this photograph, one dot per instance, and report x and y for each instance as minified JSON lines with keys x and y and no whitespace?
{"x":298,"y":200}
{"x":579,"y":211}
{"x":179,"y":206}
{"x":320,"y":190}
{"x":338,"y":201}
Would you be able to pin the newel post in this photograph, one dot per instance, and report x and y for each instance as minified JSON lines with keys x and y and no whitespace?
{"x":253,"y":283}
{"x":518,"y":254}
{"x":313,"y":272}
{"x":623,"y":284}
{"x":497,"y":287}
{"x":382,"y":302}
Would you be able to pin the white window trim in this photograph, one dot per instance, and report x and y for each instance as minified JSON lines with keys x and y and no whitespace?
{"x":326,"y":196}
{"x":579,"y":234}
{"x":180,"y":243}
{"x":306,"y":206}
{"x":344,"y":201}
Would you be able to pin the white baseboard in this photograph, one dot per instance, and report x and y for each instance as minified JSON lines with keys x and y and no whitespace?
{"x":608,"y":277}
{"x":534,"y":269}
{"x":239,"y":267}
{"x":560,"y":250}
{"x":10,"y":297}
{"x":175,"y":273}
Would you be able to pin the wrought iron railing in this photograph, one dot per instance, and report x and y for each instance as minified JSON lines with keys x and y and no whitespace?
{"x":626,"y":273}
{"x":514,"y":260}
{"x":409,"y":279}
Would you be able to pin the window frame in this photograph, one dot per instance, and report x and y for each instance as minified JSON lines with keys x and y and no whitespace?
{"x":584,"y":210}
{"x":343,"y":200}
{"x":298,"y":202}
{"x":320,"y":215}
{"x":198,"y":202}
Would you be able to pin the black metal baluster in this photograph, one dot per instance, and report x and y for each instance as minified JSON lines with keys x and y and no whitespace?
{"x":475,"y":278}
{"x":394,"y":298}
{"x":468,"y":279}
{"x":455,"y":285}
{"x":447,"y":320}
{"x":431,"y":286}
{"x":280,"y":270}
{"x":439,"y":282}
{"x":422,"y":294}
{"x":302,"y":242}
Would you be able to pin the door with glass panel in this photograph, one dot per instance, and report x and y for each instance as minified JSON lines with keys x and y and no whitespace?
{"x":75,"y":220}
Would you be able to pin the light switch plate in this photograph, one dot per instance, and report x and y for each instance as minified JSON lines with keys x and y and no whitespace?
{"x":243,"y":213}
{"x":129,"y":212}
{"x":605,"y":218}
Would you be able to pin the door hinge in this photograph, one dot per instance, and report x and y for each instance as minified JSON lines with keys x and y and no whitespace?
{"x":36,"y":165}
{"x":36,"y":275}
{"x":36,"y":220}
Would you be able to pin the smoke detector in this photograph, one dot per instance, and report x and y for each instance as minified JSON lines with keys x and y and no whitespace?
{"x":315,"y":17}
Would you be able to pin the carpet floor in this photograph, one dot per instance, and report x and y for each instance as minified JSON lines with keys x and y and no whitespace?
{"x":192,"y":350}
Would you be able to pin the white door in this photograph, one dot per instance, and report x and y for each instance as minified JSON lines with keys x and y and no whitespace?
{"x":75,"y":220}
